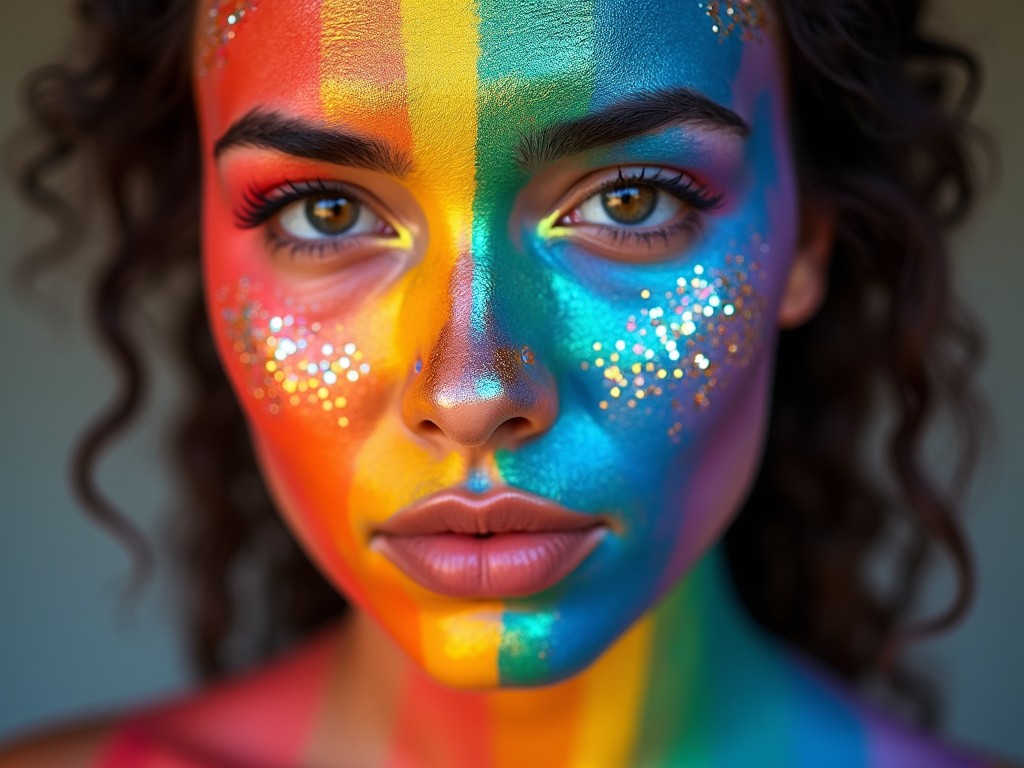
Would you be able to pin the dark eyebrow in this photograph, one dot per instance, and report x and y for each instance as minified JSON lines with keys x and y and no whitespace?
{"x":304,"y":138}
{"x":640,"y":113}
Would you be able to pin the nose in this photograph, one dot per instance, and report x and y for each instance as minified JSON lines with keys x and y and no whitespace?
{"x":476,"y":388}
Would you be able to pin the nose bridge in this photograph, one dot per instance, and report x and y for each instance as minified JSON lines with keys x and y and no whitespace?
{"x":471,"y":360}
{"x":476,"y":383}
{"x":471,"y":288}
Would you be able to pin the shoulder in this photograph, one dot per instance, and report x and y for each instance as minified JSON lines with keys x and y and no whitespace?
{"x":234,"y":724}
{"x":78,"y":745}
{"x":261,"y":718}
{"x":896,"y":744}
{"x":868,"y":736}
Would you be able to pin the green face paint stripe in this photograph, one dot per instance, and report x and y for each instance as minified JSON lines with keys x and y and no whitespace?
{"x":522,"y":657}
{"x":676,"y":656}
{"x":541,"y":69}
{"x":541,"y":72}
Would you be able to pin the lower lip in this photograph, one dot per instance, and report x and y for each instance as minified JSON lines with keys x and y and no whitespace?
{"x":502,"y":565}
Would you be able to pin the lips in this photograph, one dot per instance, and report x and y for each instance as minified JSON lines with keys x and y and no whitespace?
{"x":501,"y":544}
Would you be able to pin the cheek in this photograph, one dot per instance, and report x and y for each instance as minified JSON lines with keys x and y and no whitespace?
{"x":311,"y":393}
{"x":300,"y":354}
{"x":291,"y":358}
{"x":665,"y":390}
{"x":661,"y":367}
{"x":312,"y":378}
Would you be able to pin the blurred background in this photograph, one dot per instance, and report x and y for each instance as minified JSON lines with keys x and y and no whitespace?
{"x":68,"y":649}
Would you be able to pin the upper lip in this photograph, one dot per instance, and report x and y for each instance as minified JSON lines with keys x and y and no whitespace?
{"x":496,"y":512}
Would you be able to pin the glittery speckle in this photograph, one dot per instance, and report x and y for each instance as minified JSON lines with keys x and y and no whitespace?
{"x":674,"y":347}
{"x":526,"y":646}
{"x":223,"y":18}
{"x":747,"y":17}
{"x":292,"y":362}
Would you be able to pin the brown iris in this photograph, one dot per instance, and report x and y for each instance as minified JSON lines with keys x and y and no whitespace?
{"x":332,"y":214}
{"x":629,"y":205}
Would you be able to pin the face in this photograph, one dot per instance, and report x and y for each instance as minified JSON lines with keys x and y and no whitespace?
{"x":498,"y":287}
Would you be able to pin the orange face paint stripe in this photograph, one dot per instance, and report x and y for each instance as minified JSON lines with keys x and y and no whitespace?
{"x":362,"y":85}
{"x":362,"y":71}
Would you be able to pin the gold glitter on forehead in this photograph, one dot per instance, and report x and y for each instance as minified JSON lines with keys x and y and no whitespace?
{"x":223,"y":19}
{"x":748,"y":18}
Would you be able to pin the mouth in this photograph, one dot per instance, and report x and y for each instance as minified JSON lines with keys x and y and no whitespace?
{"x":501,"y":544}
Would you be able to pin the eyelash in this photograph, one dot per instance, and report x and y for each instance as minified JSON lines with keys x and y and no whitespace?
{"x":682,"y":186}
{"x":259,"y":206}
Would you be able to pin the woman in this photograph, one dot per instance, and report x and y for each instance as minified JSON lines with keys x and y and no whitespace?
{"x":524,"y":306}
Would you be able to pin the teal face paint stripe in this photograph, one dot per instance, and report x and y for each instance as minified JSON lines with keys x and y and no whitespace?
{"x":740,"y":659}
{"x":535,"y":68}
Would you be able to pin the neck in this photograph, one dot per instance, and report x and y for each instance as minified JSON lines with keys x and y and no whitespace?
{"x":678,"y":683}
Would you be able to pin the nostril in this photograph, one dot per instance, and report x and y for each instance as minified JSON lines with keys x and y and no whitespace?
{"x":427,"y":427}
{"x":473,"y":403}
{"x":517,"y":425}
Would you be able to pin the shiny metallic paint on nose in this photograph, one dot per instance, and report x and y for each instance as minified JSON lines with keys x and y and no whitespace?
{"x":474,"y":390}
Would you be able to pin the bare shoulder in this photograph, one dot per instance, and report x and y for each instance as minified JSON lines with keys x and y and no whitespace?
{"x":260,"y":718}
{"x":866,"y":737}
{"x":73,"y":746}
{"x":897,"y":744}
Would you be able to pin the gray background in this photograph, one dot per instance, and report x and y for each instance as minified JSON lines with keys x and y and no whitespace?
{"x":66,"y":649}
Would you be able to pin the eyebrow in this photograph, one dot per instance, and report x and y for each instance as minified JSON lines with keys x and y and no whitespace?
{"x":303,"y":138}
{"x":639,"y":114}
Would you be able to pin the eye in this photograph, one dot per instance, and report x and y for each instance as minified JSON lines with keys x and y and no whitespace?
{"x":328,"y":215}
{"x":630,"y":205}
{"x":633,"y":213}
{"x":319,"y":223}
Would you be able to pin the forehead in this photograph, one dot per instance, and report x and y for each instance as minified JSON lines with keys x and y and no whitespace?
{"x":365,"y":61}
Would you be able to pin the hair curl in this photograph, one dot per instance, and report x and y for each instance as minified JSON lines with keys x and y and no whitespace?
{"x":880,"y":142}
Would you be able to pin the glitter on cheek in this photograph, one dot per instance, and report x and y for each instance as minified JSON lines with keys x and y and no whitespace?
{"x":295,"y":361}
{"x":748,"y":17}
{"x":223,"y":19}
{"x":678,"y":348}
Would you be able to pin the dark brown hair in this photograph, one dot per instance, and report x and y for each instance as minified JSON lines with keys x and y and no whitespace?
{"x":880,"y":140}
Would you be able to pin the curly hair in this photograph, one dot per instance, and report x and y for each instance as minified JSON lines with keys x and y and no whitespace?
{"x":880,"y":139}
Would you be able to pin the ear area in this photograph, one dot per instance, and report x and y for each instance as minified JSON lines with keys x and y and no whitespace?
{"x":807,"y":282}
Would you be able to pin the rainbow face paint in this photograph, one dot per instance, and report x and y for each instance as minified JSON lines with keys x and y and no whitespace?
{"x":477,"y":248}
{"x":221,"y":24}
{"x":295,"y":362}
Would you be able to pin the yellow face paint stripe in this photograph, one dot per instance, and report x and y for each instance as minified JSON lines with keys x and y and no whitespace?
{"x":441,"y":52}
{"x":607,"y":728}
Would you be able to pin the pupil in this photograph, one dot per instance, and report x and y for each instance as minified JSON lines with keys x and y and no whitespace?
{"x":332,"y":214}
{"x":629,"y":205}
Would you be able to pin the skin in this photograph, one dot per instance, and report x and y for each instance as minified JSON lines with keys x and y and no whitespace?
{"x":483,"y":331}
{"x":481,"y":265}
